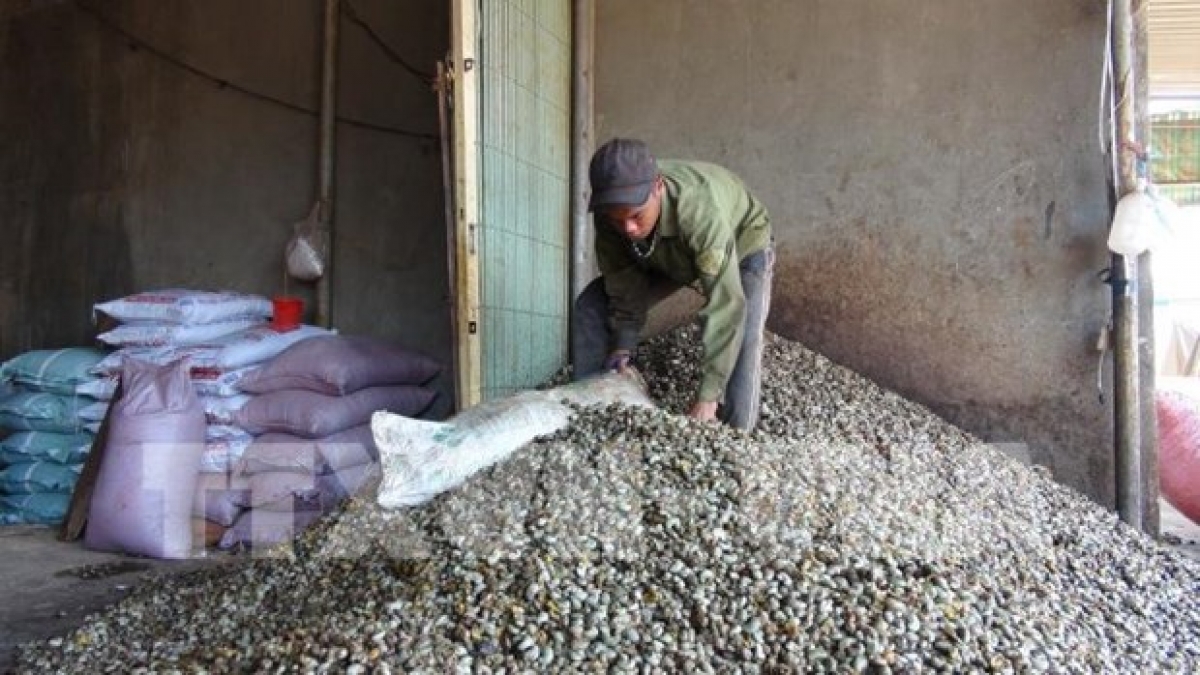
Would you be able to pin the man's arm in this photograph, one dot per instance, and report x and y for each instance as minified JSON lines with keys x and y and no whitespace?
{"x":723,"y":317}
{"x":715,"y":259}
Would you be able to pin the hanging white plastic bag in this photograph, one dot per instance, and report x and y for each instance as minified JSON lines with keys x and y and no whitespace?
{"x":1143,"y":222}
{"x":308,"y":248}
{"x":1131,"y":233}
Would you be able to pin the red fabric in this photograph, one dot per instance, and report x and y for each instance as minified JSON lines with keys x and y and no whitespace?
{"x":1178,"y":412}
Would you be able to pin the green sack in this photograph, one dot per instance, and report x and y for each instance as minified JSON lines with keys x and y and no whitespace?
{"x":35,"y":477}
{"x":57,"y":371}
{"x":36,"y":411}
{"x":47,"y":508}
{"x":44,"y":446}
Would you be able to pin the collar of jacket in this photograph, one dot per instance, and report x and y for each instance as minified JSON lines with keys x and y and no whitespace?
{"x":668,"y":219}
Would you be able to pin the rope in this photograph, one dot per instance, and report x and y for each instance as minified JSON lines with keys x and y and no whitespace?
{"x":352,"y":15}
{"x":136,"y":43}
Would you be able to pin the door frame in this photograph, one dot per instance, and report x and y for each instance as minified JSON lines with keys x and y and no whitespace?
{"x":464,"y":60}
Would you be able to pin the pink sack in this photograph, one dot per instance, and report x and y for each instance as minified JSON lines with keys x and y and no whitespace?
{"x":267,"y":528}
{"x":1177,"y":403}
{"x":341,"y":365}
{"x":283,"y":452}
{"x":219,"y":497}
{"x":286,"y":490}
{"x":313,"y":415}
{"x":142,"y":501}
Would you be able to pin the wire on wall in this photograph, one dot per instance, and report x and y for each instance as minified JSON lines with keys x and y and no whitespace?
{"x":353,"y":16}
{"x":138,"y":43}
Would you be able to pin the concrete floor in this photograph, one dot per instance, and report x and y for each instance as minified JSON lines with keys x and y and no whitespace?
{"x":1177,"y":531}
{"x":49,"y":587}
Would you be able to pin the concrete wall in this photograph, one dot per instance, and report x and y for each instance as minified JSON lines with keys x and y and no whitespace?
{"x":121,"y":172}
{"x":935,"y":180}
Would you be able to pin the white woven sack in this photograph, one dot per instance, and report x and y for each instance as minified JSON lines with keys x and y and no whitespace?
{"x":174,"y":335}
{"x":220,"y":454}
{"x":241,"y":349}
{"x":100,"y":388}
{"x":221,"y":409}
{"x":183,"y":306}
{"x":219,"y":382}
{"x":421,"y":459}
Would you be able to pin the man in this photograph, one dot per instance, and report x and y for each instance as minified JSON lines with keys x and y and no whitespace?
{"x":660,"y":226}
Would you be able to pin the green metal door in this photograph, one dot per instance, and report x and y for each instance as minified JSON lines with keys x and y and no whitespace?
{"x":524,"y":198}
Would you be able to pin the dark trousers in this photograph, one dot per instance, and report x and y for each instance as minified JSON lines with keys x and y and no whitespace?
{"x":590,"y":341}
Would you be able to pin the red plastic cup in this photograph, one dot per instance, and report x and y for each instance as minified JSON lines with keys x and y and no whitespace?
{"x":287,"y":312}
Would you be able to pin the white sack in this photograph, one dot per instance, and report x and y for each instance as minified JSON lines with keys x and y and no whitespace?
{"x":221,"y":409}
{"x":244,"y":348}
{"x":177,"y":305}
{"x":221,"y":452}
{"x":207,"y":381}
{"x":423,"y":459}
{"x":100,"y":388}
{"x":174,"y":335}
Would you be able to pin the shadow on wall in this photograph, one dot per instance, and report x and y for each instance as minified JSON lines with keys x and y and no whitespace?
{"x":66,"y":245}
{"x":71,"y":257}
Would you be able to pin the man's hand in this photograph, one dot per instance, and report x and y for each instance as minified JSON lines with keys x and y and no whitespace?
{"x":618,"y":361}
{"x":705,"y":411}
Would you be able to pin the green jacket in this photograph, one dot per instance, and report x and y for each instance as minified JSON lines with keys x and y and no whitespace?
{"x":709,"y":223}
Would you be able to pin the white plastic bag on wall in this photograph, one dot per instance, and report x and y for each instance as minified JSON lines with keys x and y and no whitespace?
{"x":308,"y":248}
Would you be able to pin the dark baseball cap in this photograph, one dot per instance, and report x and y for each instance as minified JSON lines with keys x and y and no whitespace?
{"x":622,"y":173}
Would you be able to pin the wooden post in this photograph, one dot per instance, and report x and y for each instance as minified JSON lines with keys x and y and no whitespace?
{"x":81,"y":496}
{"x":327,"y":159}
{"x":1141,"y":98}
{"x":582,"y":140}
{"x":465,"y":63}
{"x":444,"y":88}
{"x":1131,"y":483}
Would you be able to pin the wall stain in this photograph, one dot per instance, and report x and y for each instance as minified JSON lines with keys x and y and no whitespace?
{"x":871,"y":302}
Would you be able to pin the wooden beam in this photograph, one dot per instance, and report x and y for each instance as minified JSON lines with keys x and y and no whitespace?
{"x":465,"y":63}
{"x":81,"y":497}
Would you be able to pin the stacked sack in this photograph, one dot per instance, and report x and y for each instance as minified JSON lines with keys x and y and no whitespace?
{"x":141,"y":502}
{"x":310,"y":410}
{"x":223,"y":337}
{"x":46,"y":441}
